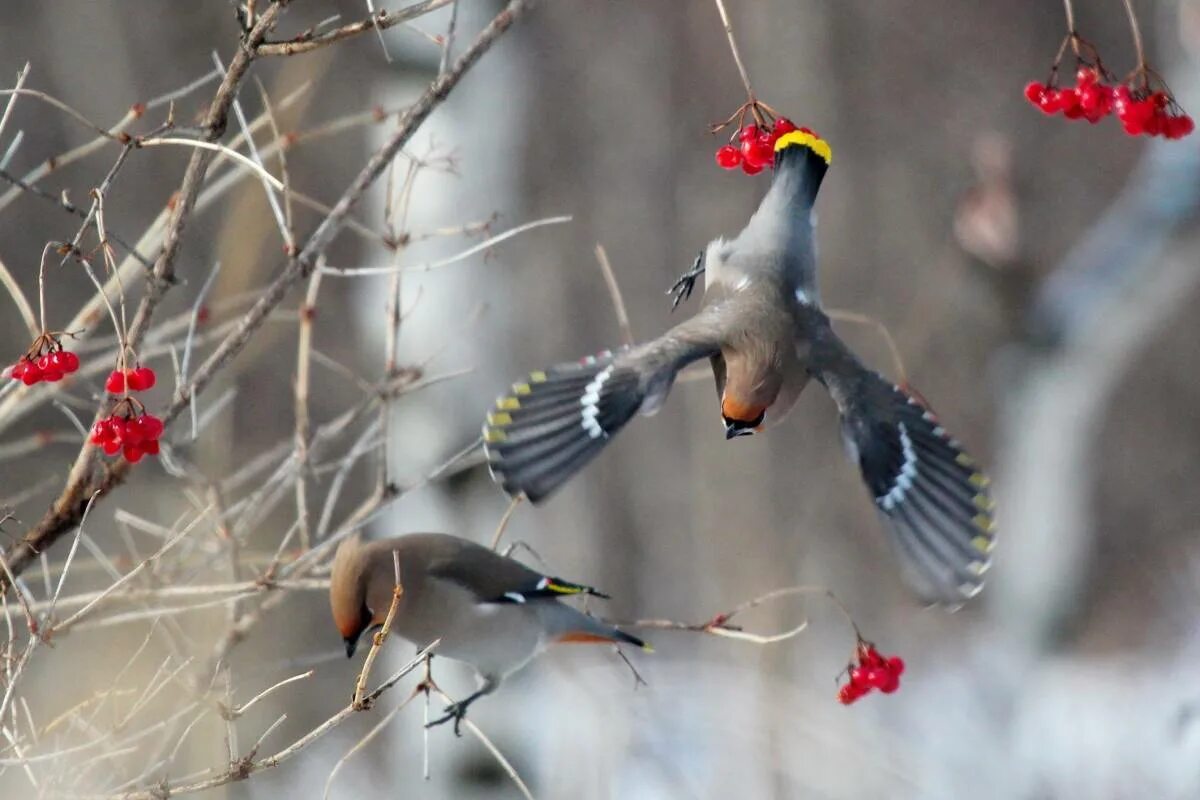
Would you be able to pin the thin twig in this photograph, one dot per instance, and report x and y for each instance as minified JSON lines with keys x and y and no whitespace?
{"x":246,"y":767}
{"x":12,"y":99}
{"x":216,"y":147}
{"x":381,"y":21}
{"x":737,"y":57}
{"x":60,"y":105}
{"x":504,"y":763}
{"x":448,"y":39}
{"x":512,"y":506}
{"x":718,"y":624}
{"x":863,"y":319}
{"x":614,"y":290}
{"x":352,"y":272}
{"x":364,"y":741}
{"x":360,"y":686}
{"x":22,"y":302}
{"x":1134,"y":28}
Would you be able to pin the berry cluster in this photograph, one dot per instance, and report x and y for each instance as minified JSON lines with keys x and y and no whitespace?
{"x":44,"y":361}
{"x":756,"y":146}
{"x":1153,"y":113}
{"x":1090,"y":98}
{"x":133,"y":434}
{"x":873,"y":671}
{"x":135,"y":380}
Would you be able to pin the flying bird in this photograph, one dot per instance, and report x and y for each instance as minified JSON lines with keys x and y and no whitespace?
{"x":763,"y":331}
{"x":487,"y":610}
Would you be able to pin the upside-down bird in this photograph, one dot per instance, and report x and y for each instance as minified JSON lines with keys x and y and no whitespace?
{"x":487,"y":610}
{"x":765,"y":334}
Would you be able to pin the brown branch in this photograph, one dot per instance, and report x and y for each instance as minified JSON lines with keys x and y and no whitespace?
{"x":733,"y":48}
{"x":82,"y":483}
{"x":380,"y":21}
{"x":246,"y":766}
{"x":614,"y":291}
{"x":68,"y":508}
{"x":718,"y":624}
{"x":360,"y":686}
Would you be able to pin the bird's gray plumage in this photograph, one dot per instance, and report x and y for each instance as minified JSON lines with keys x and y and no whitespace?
{"x":483,"y":608}
{"x":762,"y":328}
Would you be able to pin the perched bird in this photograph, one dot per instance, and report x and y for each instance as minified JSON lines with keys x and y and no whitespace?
{"x":489,"y":611}
{"x":763,"y":330}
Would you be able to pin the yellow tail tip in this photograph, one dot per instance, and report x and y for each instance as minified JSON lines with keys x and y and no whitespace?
{"x":802,"y":137}
{"x":647,"y":648}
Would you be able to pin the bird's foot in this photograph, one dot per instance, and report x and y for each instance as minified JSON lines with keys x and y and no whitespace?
{"x":682,"y":289}
{"x":454,"y":711}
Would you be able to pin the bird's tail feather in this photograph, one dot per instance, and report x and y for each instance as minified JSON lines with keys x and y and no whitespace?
{"x":565,"y":624}
{"x":932,"y":495}
{"x":553,"y":423}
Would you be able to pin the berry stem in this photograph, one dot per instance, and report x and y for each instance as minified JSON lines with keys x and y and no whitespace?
{"x":42,"y":285}
{"x":112,"y":312}
{"x":737,"y":56}
{"x":1070,"y":10}
{"x":1136,"y":30}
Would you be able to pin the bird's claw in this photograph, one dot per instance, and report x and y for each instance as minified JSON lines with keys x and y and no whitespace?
{"x":682,"y":289}
{"x":454,"y":711}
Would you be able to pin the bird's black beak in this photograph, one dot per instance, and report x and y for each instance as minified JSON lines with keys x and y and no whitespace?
{"x":735,"y":427}
{"x":351,"y":645}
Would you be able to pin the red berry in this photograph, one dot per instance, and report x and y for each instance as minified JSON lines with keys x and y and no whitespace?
{"x":1035,"y":92}
{"x":115,"y":383}
{"x":877,"y":677}
{"x":1142,"y":111}
{"x":70,"y":361}
{"x":32,"y":374}
{"x":17,"y":370}
{"x":748,"y":133}
{"x":750,"y":169}
{"x":783,"y":125}
{"x":1091,"y":96}
{"x":890,"y":684}
{"x":150,"y":447}
{"x":758,"y":152}
{"x":729,"y":157}
{"x":140,"y":379}
{"x":858,"y":676}
{"x":52,"y":375}
{"x":133,"y":432}
{"x":1069,"y":102}
{"x":868,"y":656}
{"x":132,"y":452}
{"x":45,"y":362}
{"x":112,"y":447}
{"x":1050,"y":101}
{"x":1086,"y":76}
{"x":895,"y":665}
{"x":152,"y":426}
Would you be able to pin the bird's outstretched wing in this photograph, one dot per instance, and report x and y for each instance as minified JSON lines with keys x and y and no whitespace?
{"x":932,"y":496}
{"x":556,"y":420}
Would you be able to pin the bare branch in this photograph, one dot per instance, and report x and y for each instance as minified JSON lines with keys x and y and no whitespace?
{"x":380,"y":21}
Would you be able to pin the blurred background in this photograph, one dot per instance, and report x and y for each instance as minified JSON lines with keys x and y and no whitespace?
{"x":1037,"y":275}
